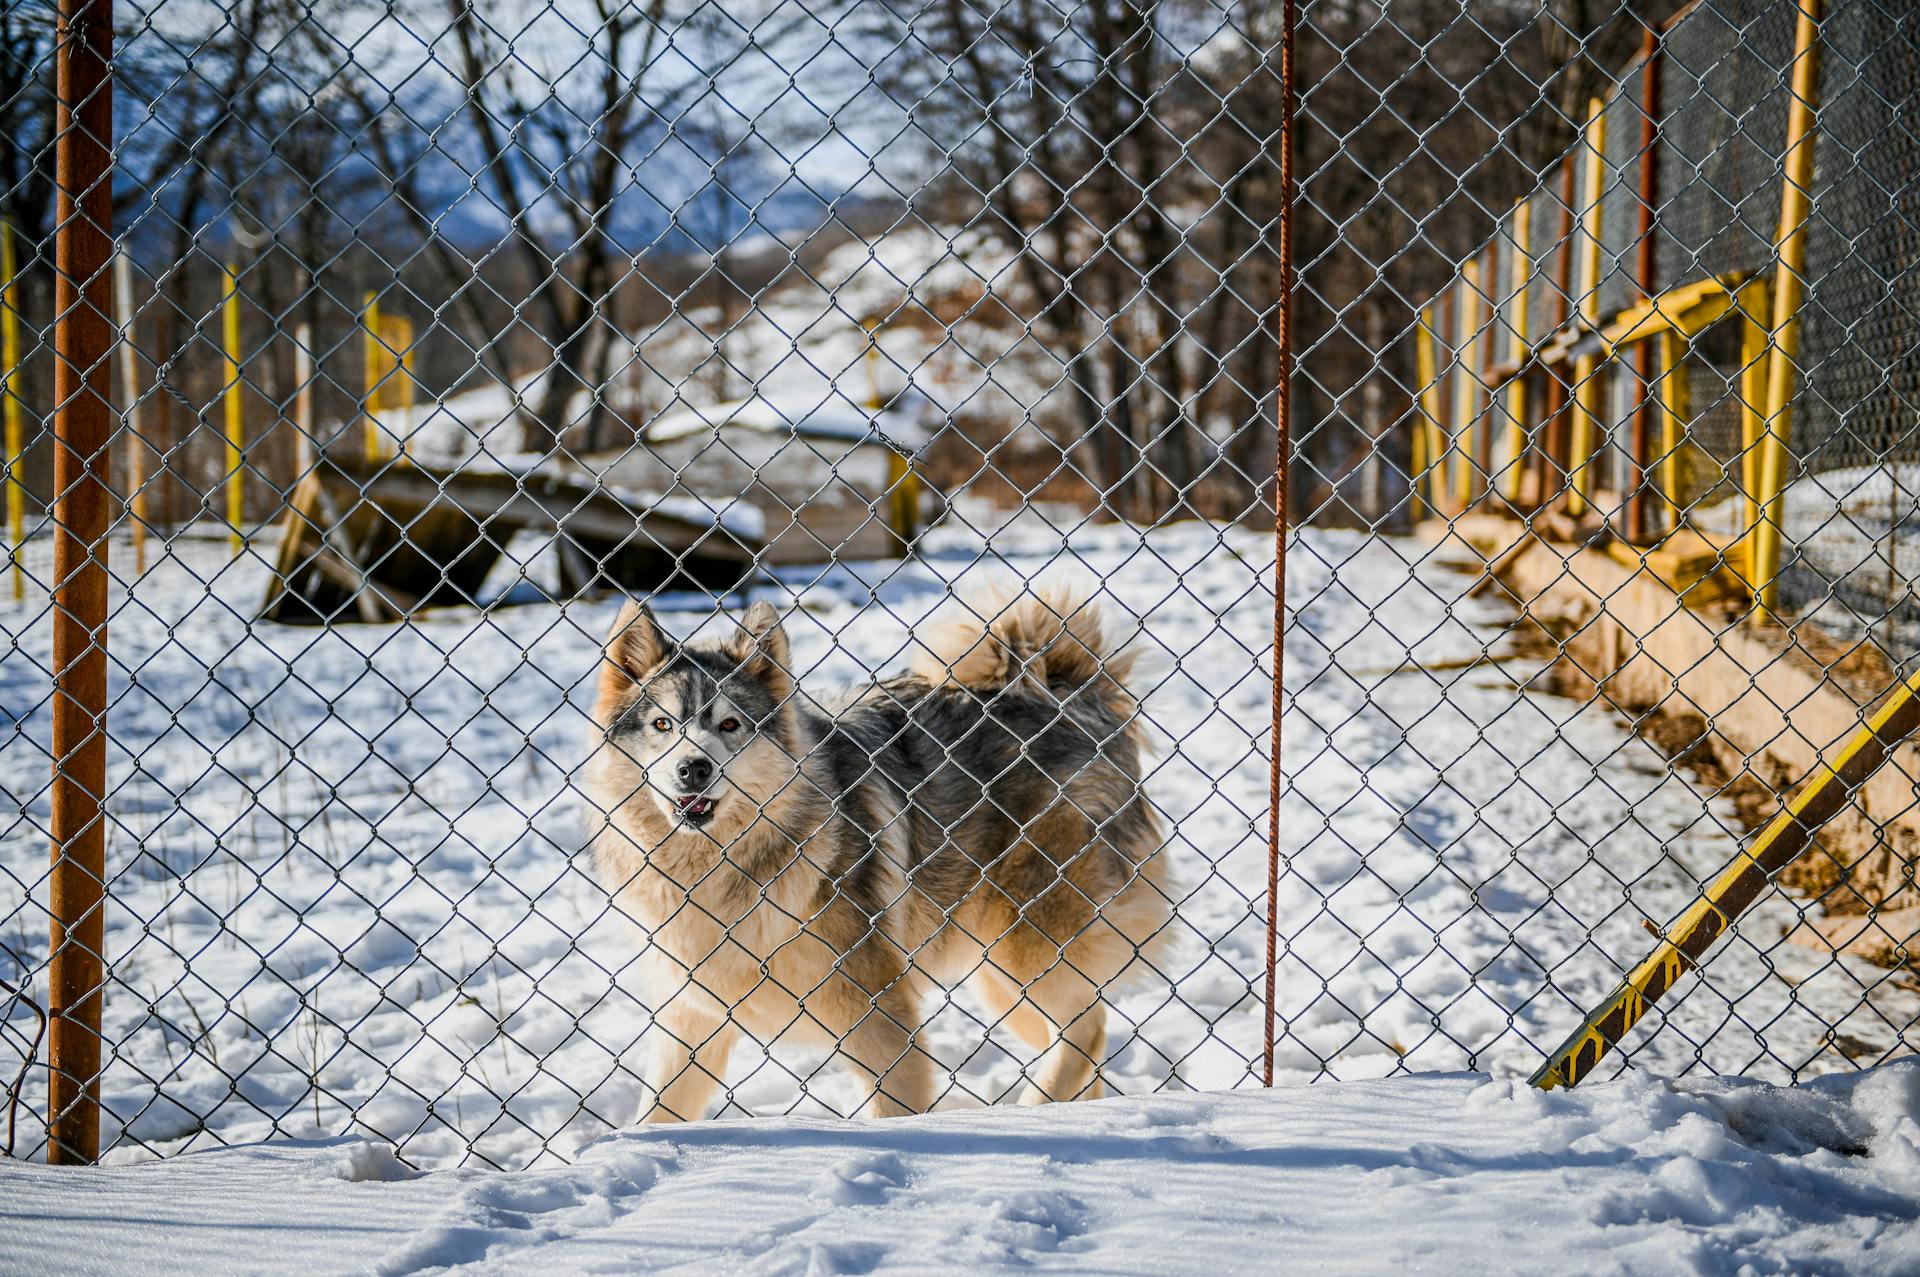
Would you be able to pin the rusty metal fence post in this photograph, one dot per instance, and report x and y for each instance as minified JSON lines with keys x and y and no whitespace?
{"x":83,"y":426}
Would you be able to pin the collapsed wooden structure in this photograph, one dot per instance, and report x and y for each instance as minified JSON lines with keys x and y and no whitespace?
{"x":376,"y":540}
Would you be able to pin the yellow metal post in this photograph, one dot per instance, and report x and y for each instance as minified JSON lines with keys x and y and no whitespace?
{"x":1467,"y":389}
{"x":400,"y":366}
{"x":130,"y":388}
{"x":236,"y":420}
{"x":1685,"y":941}
{"x":303,"y":399}
{"x":16,"y":435}
{"x":1427,"y":447}
{"x":1675,"y":417}
{"x":1586,"y":380}
{"x":372,"y":352}
{"x":1416,"y":466}
{"x":903,"y":481}
{"x":1753,"y":409}
{"x":1517,"y":348}
{"x":1789,"y":289}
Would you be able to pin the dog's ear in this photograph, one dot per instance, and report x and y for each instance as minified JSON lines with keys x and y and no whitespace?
{"x":636,"y":646}
{"x":761,"y":648}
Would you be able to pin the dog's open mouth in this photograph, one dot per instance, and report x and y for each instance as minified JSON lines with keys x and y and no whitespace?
{"x":695,"y":809}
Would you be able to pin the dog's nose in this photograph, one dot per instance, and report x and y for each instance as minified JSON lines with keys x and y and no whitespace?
{"x":694,"y":773}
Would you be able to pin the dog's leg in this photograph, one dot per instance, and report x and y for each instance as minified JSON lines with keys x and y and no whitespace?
{"x":689,"y":1065}
{"x":1069,"y":1069}
{"x":881,"y":1052}
{"x":1001,"y":993}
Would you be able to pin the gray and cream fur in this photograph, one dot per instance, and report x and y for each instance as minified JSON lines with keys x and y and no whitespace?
{"x":808,"y":871}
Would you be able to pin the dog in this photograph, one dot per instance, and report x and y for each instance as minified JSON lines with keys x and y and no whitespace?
{"x":808,"y":870}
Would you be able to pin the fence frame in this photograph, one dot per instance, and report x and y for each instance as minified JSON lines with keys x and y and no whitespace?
{"x":1462,"y":392}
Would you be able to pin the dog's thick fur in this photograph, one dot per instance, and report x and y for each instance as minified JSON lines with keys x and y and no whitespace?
{"x":980,"y":819}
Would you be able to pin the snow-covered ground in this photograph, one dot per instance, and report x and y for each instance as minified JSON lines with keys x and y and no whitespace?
{"x":1442,"y":1174}
{"x":349,"y":892}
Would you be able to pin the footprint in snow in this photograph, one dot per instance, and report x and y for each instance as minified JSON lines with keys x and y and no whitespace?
{"x":819,"y":1259}
{"x":498,"y":1215}
{"x":864,"y":1180}
{"x":1018,"y":1225}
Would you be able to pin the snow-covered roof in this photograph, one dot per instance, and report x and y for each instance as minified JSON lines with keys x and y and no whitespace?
{"x":898,"y":426}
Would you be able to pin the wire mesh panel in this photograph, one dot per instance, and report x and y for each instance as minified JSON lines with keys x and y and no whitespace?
{"x":674,"y":562}
{"x":451,"y":329}
{"x":1851,"y":505}
{"x":1725,"y":70}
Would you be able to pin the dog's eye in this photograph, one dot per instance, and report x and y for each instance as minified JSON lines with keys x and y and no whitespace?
{"x":662,"y":724}
{"x":731,"y":725}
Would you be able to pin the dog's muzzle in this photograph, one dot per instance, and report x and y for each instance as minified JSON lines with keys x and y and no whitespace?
{"x":697,"y":808}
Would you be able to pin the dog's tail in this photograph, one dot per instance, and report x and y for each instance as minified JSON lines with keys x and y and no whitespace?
{"x":1052,"y":643}
{"x":1045,"y":641}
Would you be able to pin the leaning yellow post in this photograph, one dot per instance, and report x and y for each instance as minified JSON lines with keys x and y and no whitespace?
{"x":372,"y":349}
{"x":1789,"y":289}
{"x":236,"y":420}
{"x":16,"y":436}
{"x":1467,"y":390}
{"x":1426,"y":429}
{"x":1586,"y":379}
{"x":1686,"y":940}
{"x":1517,"y":348}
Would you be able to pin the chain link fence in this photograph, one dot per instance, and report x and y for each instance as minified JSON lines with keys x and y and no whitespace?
{"x":922,"y":368}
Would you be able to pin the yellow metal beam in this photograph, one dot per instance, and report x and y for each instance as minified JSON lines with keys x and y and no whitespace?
{"x":1686,"y":940}
{"x":1690,"y":308}
{"x":1789,"y":290}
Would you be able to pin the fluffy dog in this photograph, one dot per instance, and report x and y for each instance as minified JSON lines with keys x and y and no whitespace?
{"x":806,"y":869}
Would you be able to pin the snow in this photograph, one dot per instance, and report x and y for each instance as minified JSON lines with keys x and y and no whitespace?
{"x":349,"y":890}
{"x":1440,"y":1173}
{"x":1852,"y":548}
{"x":478,"y":431}
{"x":842,"y":422}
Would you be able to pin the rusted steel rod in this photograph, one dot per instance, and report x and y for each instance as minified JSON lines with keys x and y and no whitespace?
{"x":1283,"y":431}
{"x":83,"y":428}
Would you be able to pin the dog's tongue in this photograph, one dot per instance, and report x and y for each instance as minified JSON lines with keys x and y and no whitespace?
{"x":696,"y":805}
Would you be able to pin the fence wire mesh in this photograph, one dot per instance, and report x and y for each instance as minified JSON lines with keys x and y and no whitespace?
{"x":918,"y":366}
